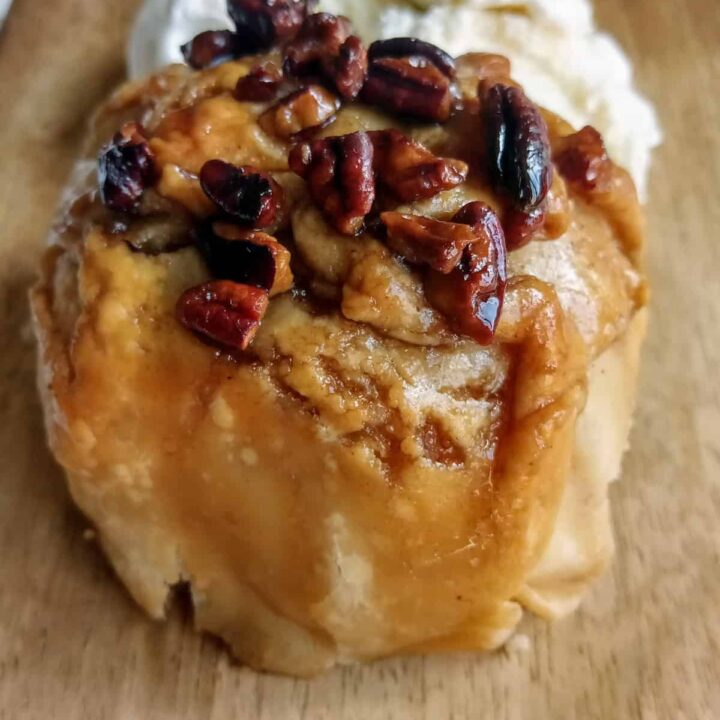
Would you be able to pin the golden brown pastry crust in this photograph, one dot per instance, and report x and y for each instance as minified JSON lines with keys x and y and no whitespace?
{"x":360,"y":486}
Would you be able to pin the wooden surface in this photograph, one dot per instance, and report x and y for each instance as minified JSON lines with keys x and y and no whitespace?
{"x":646,"y":643}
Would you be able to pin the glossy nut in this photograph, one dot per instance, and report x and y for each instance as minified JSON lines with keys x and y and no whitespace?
{"x":518,"y":146}
{"x":582,"y":159}
{"x":268,"y":21}
{"x":224,"y":312}
{"x":247,"y":256}
{"x":261,"y":84}
{"x":126,"y":168}
{"x":245,"y":194}
{"x":409,"y":170}
{"x":409,"y":86}
{"x":325,"y":47}
{"x":427,"y":241}
{"x":471,"y":296}
{"x":407,"y":47}
{"x":309,"y":108}
{"x":340,"y":178}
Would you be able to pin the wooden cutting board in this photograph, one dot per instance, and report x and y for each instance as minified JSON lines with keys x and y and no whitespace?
{"x":646,"y":643}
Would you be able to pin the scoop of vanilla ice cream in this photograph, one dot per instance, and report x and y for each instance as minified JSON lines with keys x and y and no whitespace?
{"x":558,"y":55}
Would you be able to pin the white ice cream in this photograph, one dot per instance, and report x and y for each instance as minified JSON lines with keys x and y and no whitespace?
{"x":563,"y":61}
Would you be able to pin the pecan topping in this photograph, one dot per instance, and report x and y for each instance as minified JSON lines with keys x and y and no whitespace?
{"x":518,"y":146}
{"x":217,"y":46}
{"x":246,"y":256}
{"x":269,"y":21}
{"x":125,"y":169}
{"x":309,"y":108}
{"x":326,"y":47}
{"x":582,"y":159}
{"x":425,"y":240}
{"x":225,"y":312}
{"x":245,"y":194}
{"x":340,"y":178}
{"x":261,"y":84}
{"x":409,"y":46}
{"x":348,"y":69}
{"x":410,"y":170}
{"x":409,"y":86}
{"x":471,"y":296}
{"x":522,"y":225}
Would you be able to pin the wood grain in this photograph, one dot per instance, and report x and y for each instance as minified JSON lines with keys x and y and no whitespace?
{"x":646,"y":643}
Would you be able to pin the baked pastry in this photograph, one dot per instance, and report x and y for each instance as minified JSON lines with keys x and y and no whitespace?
{"x":344,"y":338}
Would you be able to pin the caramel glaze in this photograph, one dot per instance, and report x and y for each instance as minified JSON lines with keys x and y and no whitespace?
{"x":365,"y":473}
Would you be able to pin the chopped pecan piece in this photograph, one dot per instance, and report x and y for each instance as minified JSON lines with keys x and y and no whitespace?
{"x":322,"y":34}
{"x":269,"y":21}
{"x":225,"y":312}
{"x":326,"y":47}
{"x":488,"y":249}
{"x":214,"y":47}
{"x":472,"y":308}
{"x":410,"y":170}
{"x":583,"y":160}
{"x":425,"y":240}
{"x":245,"y":194}
{"x":126,"y":168}
{"x":408,"y":47}
{"x":348,"y":69}
{"x":309,"y":108}
{"x":261,"y":84}
{"x":409,"y":86}
{"x":522,"y":225}
{"x":471,"y":296}
{"x":340,"y":178}
{"x":518,"y":146}
{"x":246,"y":256}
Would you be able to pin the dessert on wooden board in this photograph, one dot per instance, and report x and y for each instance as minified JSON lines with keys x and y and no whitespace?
{"x":345,"y":338}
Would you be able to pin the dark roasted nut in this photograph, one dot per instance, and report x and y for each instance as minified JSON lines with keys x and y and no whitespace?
{"x":521,"y":226}
{"x":261,"y":84}
{"x":245,"y":194}
{"x":488,"y":251}
{"x":348,"y":69}
{"x":246,"y":256}
{"x":325,"y":47}
{"x":340,"y":178}
{"x":582,"y":159}
{"x":409,"y":86}
{"x":465,"y":300}
{"x":471,"y":296}
{"x":125,"y":169}
{"x":225,"y":312}
{"x":269,"y":21}
{"x":217,"y":46}
{"x":425,"y":240}
{"x":410,"y":170}
{"x":519,"y":150}
{"x":407,"y":46}
{"x":309,"y":108}
{"x":321,"y":35}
